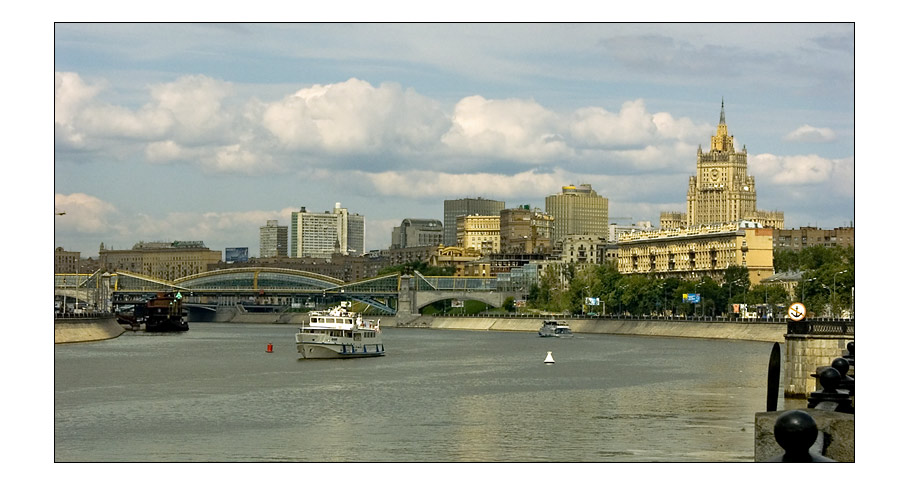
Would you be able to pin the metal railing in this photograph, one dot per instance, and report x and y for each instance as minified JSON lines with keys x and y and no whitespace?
{"x":821,"y":327}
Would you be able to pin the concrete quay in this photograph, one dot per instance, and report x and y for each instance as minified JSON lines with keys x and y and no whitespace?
{"x":751,"y":331}
{"x":85,"y":328}
{"x":726,"y":330}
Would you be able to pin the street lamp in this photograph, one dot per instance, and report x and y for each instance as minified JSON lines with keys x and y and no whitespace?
{"x":803,"y":292}
{"x":833,"y":290}
{"x":701,"y":299}
{"x":733,"y":283}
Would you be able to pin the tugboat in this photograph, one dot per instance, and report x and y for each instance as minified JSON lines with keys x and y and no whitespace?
{"x":163,"y":313}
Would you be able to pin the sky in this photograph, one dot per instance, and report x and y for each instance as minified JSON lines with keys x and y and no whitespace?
{"x":183,"y":131}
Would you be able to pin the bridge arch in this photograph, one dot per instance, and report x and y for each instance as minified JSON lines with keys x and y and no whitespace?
{"x":259,"y":279}
{"x":424,"y":298}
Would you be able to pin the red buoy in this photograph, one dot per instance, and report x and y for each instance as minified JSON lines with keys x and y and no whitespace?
{"x":269,"y":347}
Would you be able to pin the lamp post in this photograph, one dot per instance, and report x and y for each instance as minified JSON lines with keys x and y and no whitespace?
{"x":833,"y":290}
{"x":803,"y":292}
{"x":701,"y":299}
{"x":735,"y":282}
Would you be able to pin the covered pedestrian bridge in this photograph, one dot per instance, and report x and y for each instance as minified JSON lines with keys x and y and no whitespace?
{"x":263,"y":287}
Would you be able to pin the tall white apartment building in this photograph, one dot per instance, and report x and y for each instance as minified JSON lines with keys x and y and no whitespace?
{"x":320,"y":235}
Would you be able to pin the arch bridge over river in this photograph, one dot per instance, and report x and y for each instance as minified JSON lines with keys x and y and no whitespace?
{"x":273,"y":289}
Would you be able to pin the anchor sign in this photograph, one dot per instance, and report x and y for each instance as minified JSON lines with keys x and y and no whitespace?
{"x":797,"y":311}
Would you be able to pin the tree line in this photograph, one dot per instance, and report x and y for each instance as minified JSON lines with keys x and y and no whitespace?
{"x":825,"y":287}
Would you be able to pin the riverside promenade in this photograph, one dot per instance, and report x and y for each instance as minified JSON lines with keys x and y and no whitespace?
{"x":767,"y":331}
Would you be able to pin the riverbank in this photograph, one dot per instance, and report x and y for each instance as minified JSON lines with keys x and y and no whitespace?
{"x":723,"y":330}
{"x":767,"y":332}
{"x":84,"y":328}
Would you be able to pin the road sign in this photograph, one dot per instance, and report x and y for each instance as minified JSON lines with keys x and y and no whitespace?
{"x":797,"y":311}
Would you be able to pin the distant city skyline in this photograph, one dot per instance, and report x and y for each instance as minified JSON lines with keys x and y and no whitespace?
{"x":206,"y":131}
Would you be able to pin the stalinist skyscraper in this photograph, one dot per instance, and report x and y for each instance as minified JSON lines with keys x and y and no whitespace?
{"x":721,"y":191}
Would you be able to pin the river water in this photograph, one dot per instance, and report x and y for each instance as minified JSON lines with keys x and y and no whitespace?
{"x":214,"y":394}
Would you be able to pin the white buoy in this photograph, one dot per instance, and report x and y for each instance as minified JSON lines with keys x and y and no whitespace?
{"x":549,"y":360}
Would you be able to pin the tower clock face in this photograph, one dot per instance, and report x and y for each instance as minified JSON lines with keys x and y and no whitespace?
{"x":714,"y":173}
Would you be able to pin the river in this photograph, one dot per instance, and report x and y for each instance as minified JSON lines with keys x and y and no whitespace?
{"x":214,"y":394}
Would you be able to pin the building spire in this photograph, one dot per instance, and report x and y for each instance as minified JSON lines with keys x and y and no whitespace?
{"x":722,"y":115}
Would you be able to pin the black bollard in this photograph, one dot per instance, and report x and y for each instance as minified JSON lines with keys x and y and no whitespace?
{"x":850,"y":353}
{"x":796,"y":431}
{"x":829,"y":398}
{"x":846,"y":382}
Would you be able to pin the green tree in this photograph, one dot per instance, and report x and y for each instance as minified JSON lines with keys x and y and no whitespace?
{"x":775,"y":297}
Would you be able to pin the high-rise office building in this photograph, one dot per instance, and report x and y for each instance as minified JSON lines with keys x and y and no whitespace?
{"x":274,"y":240}
{"x":453,"y":208}
{"x":319,"y":235}
{"x":722,"y":192}
{"x":578,"y":210}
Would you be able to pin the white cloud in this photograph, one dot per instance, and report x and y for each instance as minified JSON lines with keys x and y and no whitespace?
{"x":518,"y":129}
{"x":70,"y":95}
{"x":197,"y":119}
{"x":354,"y":117}
{"x":808,"y":133}
{"x":421,"y":184}
{"x":802,"y":170}
{"x":192,"y":109}
{"x":632,"y":125}
{"x":238,"y":158}
{"x":164,"y":151}
{"x":84,"y":213}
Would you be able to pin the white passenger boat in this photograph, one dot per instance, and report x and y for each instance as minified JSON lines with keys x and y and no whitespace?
{"x":558,"y":329}
{"x":339,"y":333}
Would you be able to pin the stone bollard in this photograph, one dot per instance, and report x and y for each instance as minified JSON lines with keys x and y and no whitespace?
{"x":795,"y":431}
{"x":829,"y":398}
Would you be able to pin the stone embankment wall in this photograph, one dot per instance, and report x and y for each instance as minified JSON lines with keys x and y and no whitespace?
{"x":85,"y":328}
{"x":768,"y":332}
{"x":804,"y":353}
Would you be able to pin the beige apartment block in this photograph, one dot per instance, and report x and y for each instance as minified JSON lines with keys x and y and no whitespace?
{"x":478,"y":232}
{"x":806,"y":237}
{"x":522,"y":230}
{"x":161,"y":260}
{"x":581,"y":249}
{"x":66,"y":261}
{"x":706,"y":250}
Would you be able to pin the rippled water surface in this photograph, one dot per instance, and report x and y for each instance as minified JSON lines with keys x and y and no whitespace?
{"x":215,"y":394}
